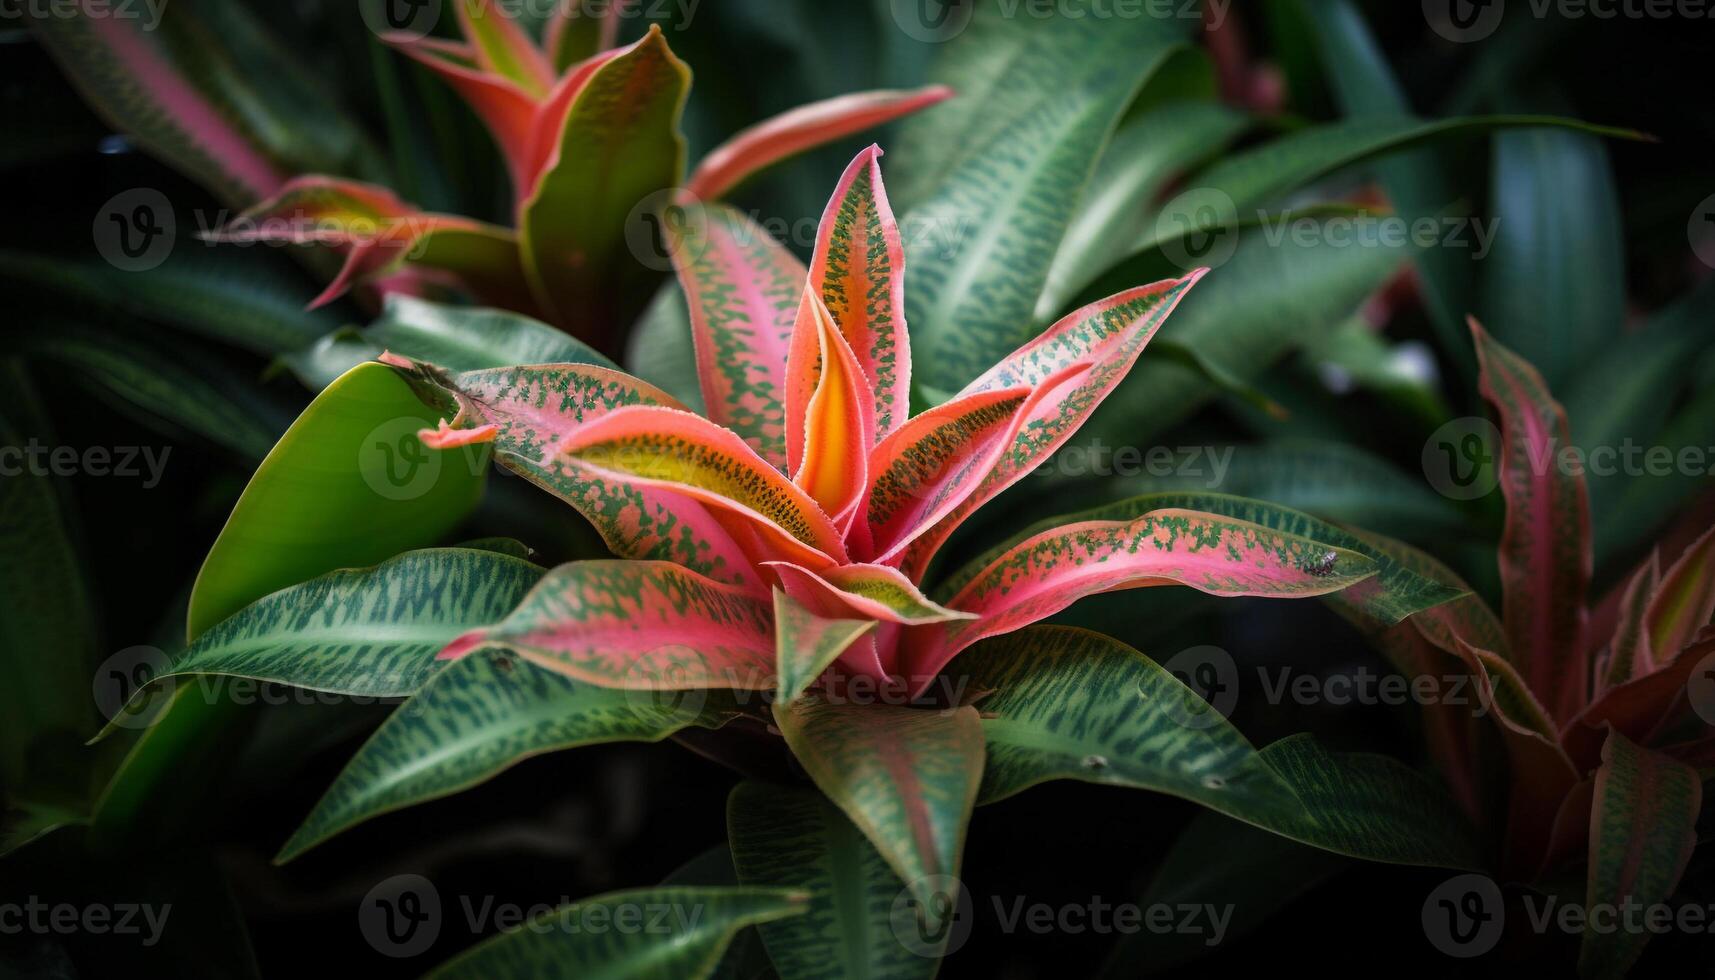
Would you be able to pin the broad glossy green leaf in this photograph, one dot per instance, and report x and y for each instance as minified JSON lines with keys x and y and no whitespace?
{"x":1398,"y":591}
{"x":348,"y":485}
{"x":1269,"y":298}
{"x":681,"y":935}
{"x":1554,"y":285}
{"x":371,"y":632}
{"x":906,"y":776}
{"x":794,"y":838}
{"x":476,"y":718}
{"x":989,"y":180}
{"x":1642,"y":831}
{"x":620,"y":145}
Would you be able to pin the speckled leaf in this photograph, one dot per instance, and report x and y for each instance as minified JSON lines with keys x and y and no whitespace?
{"x":906,"y":776}
{"x":807,"y":644}
{"x":1630,"y":653}
{"x":1054,"y":569}
{"x":989,"y":180}
{"x":372,"y":632}
{"x":794,"y":838}
{"x":799,"y":129}
{"x":474,"y":719}
{"x":680,"y":934}
{"x":859,"y":271}
{"x":1545,"y":544}
{"x":1642,"y":830}
{"x":638,"y":625}
{"x":534,"y":407}
{"x":744,"y":291}
{"x":619,"y":145}
{"x":1108,"y":334}
{"x":866,"y":591}
{"x":464,"y":338}
{"x":1071,"y":704}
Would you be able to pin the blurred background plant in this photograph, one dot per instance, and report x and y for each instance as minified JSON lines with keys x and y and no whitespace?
{"x":1081,"y":155}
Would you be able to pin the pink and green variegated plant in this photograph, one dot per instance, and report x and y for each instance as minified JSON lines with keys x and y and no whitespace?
{"x":592,"y":146}
{"x":781,"y":543}
{"x":1600,"y":732}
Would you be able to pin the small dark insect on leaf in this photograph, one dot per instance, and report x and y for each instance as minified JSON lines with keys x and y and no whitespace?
{"x":1323,"y":566}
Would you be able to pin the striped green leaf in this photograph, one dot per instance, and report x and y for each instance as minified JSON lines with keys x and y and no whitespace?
{"x":794,"y":838}
{"x":989,"y":180}
{"x":907,"y":777}
{"x":1070,"y":704}
{"x":371,"y":632}
{"x":1642,"y":829}
{"x":619,"y":145}
{"x":463,"y":338}
{"x":681,"y":935}
{"x":475,"y":718}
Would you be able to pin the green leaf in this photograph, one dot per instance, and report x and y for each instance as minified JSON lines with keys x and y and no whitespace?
{"x":906,"y":776}
{"x":1070,"y":704}
{"x":661,"y":350}
{"x":794,"y":838}
{"x":1643,"y":829}
{"x":477,"y":717}
{"x":684,"y":933}
{"x":807,"y":644}
{"x":348,"y":485}
{"x":47,"y":624}
{"x":1266,"y":300}
{"x":1394,"y":593}
{"x":371,"y":632}
{"x":1554,"y":285}
{"x":621,"y":144}
{"x":989,"y":180}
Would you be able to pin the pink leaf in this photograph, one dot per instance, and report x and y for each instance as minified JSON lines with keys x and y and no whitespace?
{"x":829,"y":411}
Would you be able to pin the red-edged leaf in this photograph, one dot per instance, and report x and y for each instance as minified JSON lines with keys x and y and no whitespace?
{"x":1642,"y":830}
{"x":379,"y":234}
{"x":1545,"y":544}
{"x":1685,"y":602}
{"x":1109,"y":334}
{"x":829,"y":411}
{"x":638,"y":625}
{"x":1539,"y":772}
{"x":574,"y":34}
{"x":806,"y":643}
{"x":1630,"y":654}
{"x":1050,"y":571}
{"x":619,"y":147}
{"x":906,"y":777}
{"x":503,"y":48}
{"x":1569,"y":840}
{"x":928,"y":466}
{"x":1639,"y":707}
{"x":677,"y":450}
{"x":506,"y":109}
{"x":744,"y":291}
{"x":796,"y":130}
{"x":859,"y":271}
{"x":550,"y":123}
{"x":862,"y":590}
{"x":534,"y":407}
